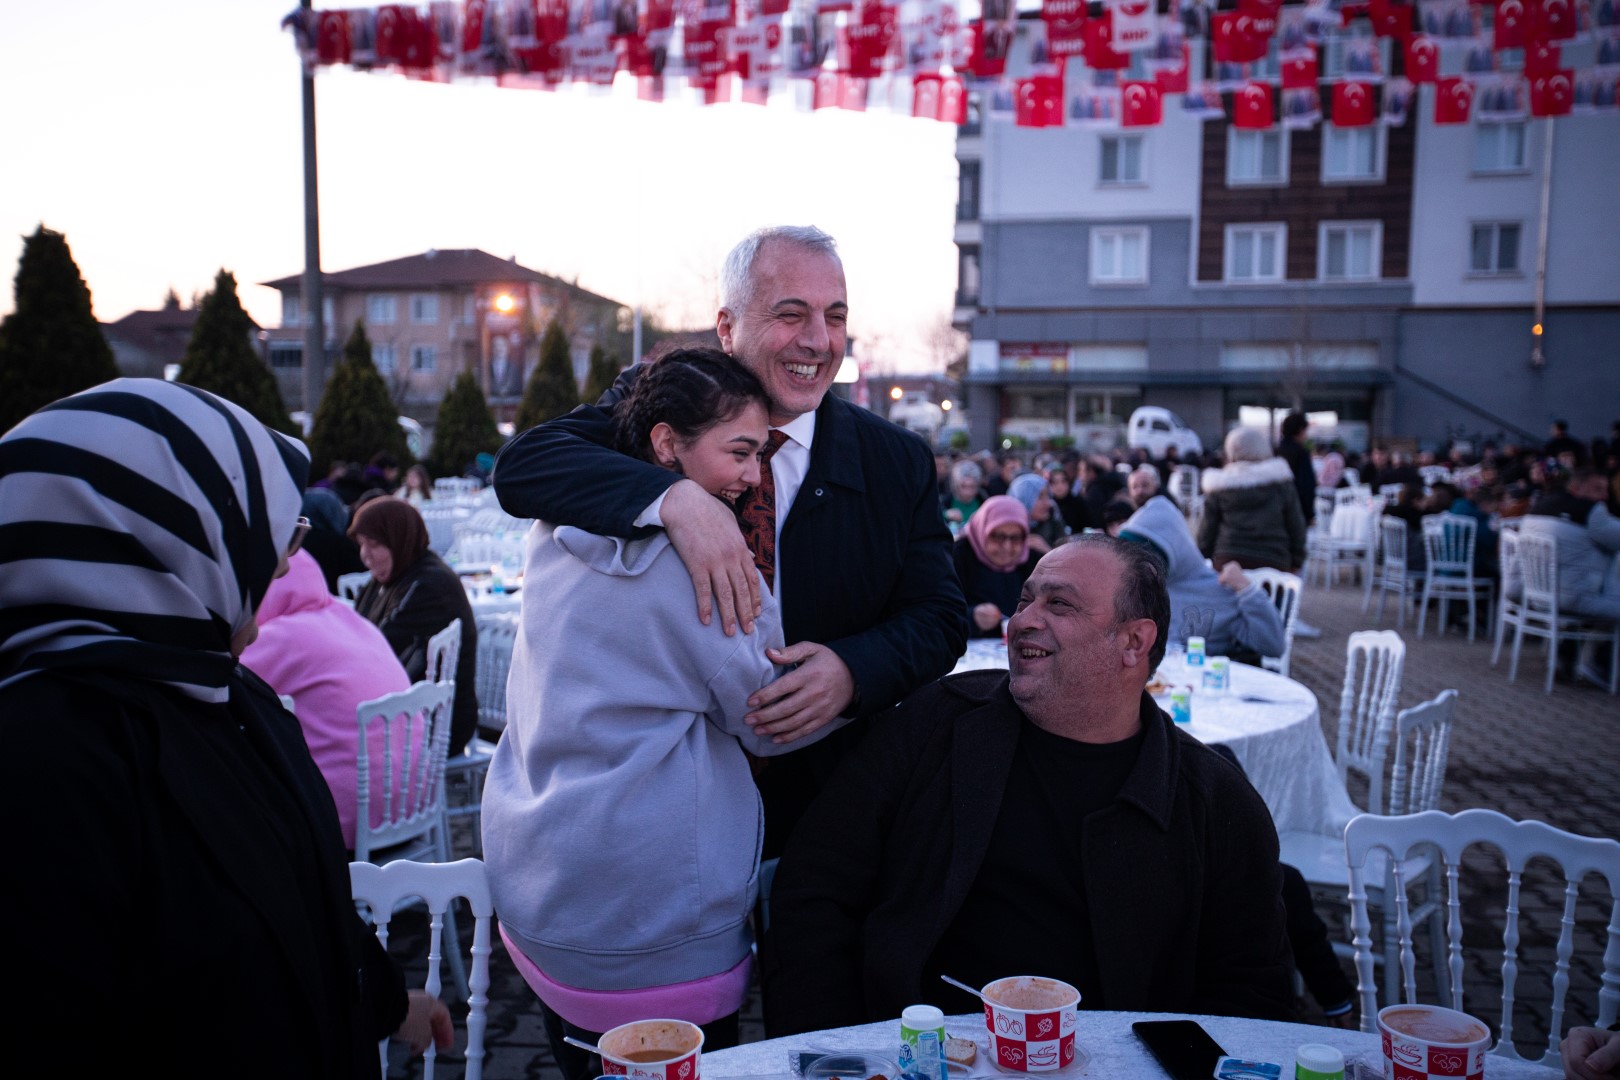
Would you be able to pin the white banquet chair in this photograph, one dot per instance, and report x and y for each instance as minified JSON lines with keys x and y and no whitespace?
{"x":1347,"y":541}
{"x":1447,"y":836}
{"x":386,"y":889}
{"x":497,"y":633}
{"x":1448,"y":546}
{"x":1530,"y":563}
{"x":349,"y":585}
{"x":1391,"y":574}
{"x":1422,"y":748}
{"x":464,"y":773}
{"x":1374,"y":661}
{"x":410,"y":730}
{"x":1284,"y":589}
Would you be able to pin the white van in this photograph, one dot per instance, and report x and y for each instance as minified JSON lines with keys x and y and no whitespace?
{"x":1153,"y":429}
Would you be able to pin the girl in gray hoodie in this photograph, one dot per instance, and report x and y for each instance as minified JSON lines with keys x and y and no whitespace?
{"x":622,"y":827}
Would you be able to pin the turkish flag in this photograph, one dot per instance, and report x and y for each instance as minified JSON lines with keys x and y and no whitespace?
{"x":1172,"y":75}
{"x":925,"y":96}
{"x":1299,"y":73}
{"x":1552,"y":95}
{"x":1422,"y":59}
{"x":826,"y":90}
{"x":952,"y":100}
{"x":393,"y":32}
{"x":1065,"y":25}
{"x":1142,"y":104}
{"x":1100,"y":51}
{"x":1510,"y":19}
{"x":1252,"y":107}
{"x":1453,"y":99}
{"x":550,"y":20}
{"x":1235,"y":39}
{"x":1390,"y":19}
{"x":661,"y":15}
{"x":332,"y":38}
{"x":773,"y":7}
{"x":852,"y":93}
{"x":1541,"y":58}
{"x":1551,"y":20}
{"x":1038,"y":101}
{"x":1264,"y":15}
{"x":1352,"y":105}
{"x":421,"y":41}
{"x":987,"y":58}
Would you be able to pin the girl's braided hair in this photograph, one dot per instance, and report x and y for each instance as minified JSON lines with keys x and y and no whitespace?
{"x":691,"y":389}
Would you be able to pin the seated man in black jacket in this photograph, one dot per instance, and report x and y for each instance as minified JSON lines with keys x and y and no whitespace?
{"x":1047,"y":821}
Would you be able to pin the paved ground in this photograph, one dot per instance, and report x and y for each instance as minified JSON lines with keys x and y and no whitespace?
{"x":1515,"y":749}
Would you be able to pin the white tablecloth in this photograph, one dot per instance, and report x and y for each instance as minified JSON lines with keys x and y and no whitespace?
{"x":1115,"y":1053}
{"x":1277,"y":735}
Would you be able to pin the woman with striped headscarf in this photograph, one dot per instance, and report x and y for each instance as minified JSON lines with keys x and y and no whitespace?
{"x":180,"y":853}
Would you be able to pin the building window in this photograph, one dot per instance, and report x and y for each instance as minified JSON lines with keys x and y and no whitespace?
{"x":383,"y":357}
{"x":423,"y":358}
{"x":1353,"y":153}
{"x":1119,"y":256}
{"x":967,"y":191}
{"x":292,"y":309}
{"x":382,"y":310}
{"x":1352,"y":56}
{"x":1256,"y":157}
{"x":967,"y":279}
{"x":1499,"y":147}
{"x":1349,"y":250}
{"x":1254,"y":253}
{"x":1121,"y":161}
{"x":424,"y":308}
{"x":286,"y":355}
{"x":1495,"y":248}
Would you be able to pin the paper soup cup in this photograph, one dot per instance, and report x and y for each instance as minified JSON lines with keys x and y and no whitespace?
{"x":1426,"y":1042}
{"x":1031,"y":1022}
{"x":652,"y":1050}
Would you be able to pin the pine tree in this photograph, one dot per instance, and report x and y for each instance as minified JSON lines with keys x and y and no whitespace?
{"x":50,"y":344}
{"x":551,"y":390}
{"x":356,"y":418}
{"x":463,"y":430}
{"x":599,"y":377}
{"x":220,"y":358}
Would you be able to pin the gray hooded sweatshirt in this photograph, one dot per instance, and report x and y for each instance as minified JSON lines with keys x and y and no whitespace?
{"x":1200,"y":606}
{"x":621,"y":824}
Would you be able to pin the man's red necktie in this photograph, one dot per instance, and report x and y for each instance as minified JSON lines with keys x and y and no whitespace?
{"x":758,"y":517}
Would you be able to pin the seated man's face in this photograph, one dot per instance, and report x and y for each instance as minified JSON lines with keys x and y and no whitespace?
{"x":1062,"y":638}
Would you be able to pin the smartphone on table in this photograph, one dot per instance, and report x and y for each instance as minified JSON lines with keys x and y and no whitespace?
{"x":1182,"y":1046}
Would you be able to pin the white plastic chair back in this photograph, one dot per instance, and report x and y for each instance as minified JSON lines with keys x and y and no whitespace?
{"x":1372,"y":682}
{"x":410,"y":733}
{"x":496,"y":634}
{"x":1284,"y":590}
{"x":1390,"y":493}
{"x":1352,"y":477}
{"x":1519,"y":842}
{"x":1422,"y":748}
{"x":1355,"y":493}
{"x":444,"y":653}
{"x":349,"y":585}
{"x":454,"y":486}
{"x":1537,"y":558}
{"x":384,"y":889}
{"x":1434,"y":474}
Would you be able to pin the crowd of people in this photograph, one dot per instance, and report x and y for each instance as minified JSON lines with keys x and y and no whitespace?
{"x":729,"y":733}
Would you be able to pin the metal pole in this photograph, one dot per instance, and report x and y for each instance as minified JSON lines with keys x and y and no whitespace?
{"x":1538,"y":359}
{"x":314,"y":320}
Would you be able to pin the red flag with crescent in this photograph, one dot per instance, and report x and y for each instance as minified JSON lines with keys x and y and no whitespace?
{"x":1422,"y":59}
{"x":1352,"y":104}
{"x":1510,"y":20}
{"x":332,"y":38}
{"x":1453,"y":101}
{"x":1541,"y":58}
{"x":1252,"y":107}
{"x":1235,"y":39}
{"x":1552,"y":95}
{"x":952,"y":100}
{"x":1038,"y":101}
{"x":1299,"y":72}
{"x":1172,"y":75}
{"x":1100,"y":51}
{"x":1551,"y":20}
{"x":1141,"y":104}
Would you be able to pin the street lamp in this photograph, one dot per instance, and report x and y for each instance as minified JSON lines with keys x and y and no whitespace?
{"x":895,"y":393}
{"x":504,"y":303}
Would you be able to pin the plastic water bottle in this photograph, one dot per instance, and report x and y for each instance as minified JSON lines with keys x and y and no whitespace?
{"x":922,"y":1042}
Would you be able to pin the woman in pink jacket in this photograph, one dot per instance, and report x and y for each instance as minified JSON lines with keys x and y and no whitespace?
{"x":329,"y":660}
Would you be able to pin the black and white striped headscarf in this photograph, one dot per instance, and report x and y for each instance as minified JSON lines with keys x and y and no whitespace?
{"x":140,"y":524}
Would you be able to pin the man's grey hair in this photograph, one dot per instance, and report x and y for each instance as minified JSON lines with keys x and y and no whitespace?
{"x":737,"y":275}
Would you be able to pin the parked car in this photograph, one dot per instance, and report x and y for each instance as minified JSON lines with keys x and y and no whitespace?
{"x":1153,"y":429}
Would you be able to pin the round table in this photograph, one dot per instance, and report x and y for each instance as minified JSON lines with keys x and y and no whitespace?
{"x":1106,"y":1037}
{"x":1270,"y":722}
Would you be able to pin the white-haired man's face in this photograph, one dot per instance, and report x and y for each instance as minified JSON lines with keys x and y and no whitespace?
{"x":790,"y":331}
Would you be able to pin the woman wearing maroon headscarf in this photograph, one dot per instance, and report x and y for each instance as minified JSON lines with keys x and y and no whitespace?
{"x":993,"y":560}
{"x":413,"y":595}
